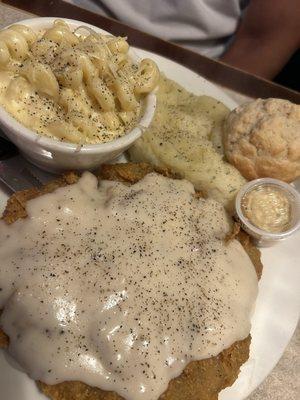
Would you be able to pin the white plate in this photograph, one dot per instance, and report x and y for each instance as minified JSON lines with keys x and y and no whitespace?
{"x":278,"y":303}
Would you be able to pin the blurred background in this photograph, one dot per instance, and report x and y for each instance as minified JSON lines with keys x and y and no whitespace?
{"x":259,"y":36}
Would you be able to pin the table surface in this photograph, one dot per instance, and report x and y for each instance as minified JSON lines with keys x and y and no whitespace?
{"x":284,"y":381}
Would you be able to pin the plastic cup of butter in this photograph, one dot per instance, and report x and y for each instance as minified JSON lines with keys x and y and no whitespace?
{"x":272,"y":202}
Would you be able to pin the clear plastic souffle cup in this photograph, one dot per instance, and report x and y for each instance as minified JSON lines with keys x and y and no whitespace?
{"x":261,"y":237}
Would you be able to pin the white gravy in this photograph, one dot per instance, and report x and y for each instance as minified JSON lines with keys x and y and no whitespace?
{"x":121,"y":286}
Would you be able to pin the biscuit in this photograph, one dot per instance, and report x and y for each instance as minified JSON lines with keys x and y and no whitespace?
{"x":262,"y":139}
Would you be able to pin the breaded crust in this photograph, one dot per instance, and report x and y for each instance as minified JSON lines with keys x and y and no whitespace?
{"x":200,"y":380}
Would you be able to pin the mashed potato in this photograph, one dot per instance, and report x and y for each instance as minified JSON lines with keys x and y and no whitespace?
{"x":186,"y":137}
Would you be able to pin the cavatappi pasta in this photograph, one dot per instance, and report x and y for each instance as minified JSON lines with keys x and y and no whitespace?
{"x":79,"y":87}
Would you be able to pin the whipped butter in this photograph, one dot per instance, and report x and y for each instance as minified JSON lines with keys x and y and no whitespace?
{"x":268,"y":208}
{"x":122,"y":286}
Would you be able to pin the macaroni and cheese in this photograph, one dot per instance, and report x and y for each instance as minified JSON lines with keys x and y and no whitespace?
{"x":75,"y":86}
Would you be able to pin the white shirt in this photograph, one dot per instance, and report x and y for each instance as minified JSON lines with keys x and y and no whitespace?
{"x":205,"y":26}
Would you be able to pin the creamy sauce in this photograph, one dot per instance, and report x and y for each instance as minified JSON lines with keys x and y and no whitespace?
{"x":80,"y":87}
{"x":121,"y":286}
{"x":268,"y":208}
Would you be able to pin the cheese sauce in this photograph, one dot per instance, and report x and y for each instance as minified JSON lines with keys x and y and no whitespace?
{"x":121,"y":286}
{"x":77,"y":86}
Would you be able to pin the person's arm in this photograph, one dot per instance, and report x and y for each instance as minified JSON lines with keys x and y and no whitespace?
{"x":266,"y":38}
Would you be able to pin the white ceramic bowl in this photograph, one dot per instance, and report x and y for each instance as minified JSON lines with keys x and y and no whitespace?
{"x":55,"y":156}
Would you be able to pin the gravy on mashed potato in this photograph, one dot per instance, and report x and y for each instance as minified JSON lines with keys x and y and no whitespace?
{"x":186,"y":137}
{"x":120,"y":287}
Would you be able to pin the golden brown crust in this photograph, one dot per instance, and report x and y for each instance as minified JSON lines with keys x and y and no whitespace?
{"x":262,"y":139}
{"x":3,"y":340}
{"x":252,"y":251}
{"x":234,"y":232}
{"x":129,"y":172}
{"x":200,"y":380}
{"x":15,"y":207}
